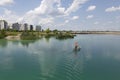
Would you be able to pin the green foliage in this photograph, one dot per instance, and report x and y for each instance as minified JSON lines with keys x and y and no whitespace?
{"x":2,"y":34}
{"x":47,"y":31}
{"x":64,"y":36}
{"x":55,"y":31}
{"x":59,"y":35}
{"x":28,"y":36}
{"x":49,"y":35}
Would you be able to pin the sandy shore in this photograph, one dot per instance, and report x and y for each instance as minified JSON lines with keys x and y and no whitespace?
{"x":13,"y":37}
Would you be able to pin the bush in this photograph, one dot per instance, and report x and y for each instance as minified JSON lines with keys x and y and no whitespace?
{"x":28,"y":36}
{"x":2,"y":34}
{"x":55,"y":31}
{"x":64,"y":36}
{"x":47,"y":31}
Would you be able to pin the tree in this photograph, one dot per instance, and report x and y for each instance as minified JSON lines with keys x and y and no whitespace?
{"x":55,"y":31}
{"x":2,"y":34}
{"x":47,"y":31}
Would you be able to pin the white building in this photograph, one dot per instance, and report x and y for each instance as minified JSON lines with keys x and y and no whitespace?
{"x":21,"y":27}
{"x":3,"y":25}
{"x":10,"y":26}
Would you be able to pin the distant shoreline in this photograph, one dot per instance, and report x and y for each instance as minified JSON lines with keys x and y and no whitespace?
{"x":96,"y":32}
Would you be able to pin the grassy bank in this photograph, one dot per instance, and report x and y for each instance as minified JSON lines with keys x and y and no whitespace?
{"x":32,"y":35}
{"x":2,"y":34}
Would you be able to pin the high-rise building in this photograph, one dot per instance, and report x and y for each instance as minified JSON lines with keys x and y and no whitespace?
{"x":38,"y":28}
{"x":30,"y":27}
{"x":24,"y":27}
{"x":9,"y":26}
{"x":21,"y":27}
{"x":3,"y":24}
{"x":16,"y":26}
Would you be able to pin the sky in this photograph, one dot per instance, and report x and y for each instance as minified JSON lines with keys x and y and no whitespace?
{"x":63,"y":14}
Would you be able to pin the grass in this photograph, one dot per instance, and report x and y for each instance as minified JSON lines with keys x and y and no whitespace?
{"x":32,"y":35}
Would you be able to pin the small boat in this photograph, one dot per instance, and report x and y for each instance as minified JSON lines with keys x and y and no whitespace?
{"x":77,"y":49}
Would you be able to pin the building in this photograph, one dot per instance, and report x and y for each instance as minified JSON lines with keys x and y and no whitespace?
{"x":3,"y":24}
{"x":10,"y":26}
{"x":16,"y":26}
{"x":21,"y":27}
{"x":25,"y":26}
{"x":31,"y":27}
{"x":38,"y":28}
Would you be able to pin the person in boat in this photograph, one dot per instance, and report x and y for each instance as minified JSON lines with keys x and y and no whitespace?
{"x":76,"y":45}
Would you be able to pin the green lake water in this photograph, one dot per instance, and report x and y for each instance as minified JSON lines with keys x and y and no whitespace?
{"x":52,"y":59}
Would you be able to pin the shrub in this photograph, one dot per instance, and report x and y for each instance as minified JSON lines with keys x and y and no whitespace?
{"x":2,"y":34}
{"x":28,"y":36}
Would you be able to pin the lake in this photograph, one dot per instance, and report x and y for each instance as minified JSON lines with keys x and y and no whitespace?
{"x":52,"y":59}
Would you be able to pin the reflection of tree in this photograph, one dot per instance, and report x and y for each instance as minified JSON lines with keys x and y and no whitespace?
{"x":3,"y":43}
{"x":47,"y":39}
{"x":15,"y":42}
{"x":27,"y":42}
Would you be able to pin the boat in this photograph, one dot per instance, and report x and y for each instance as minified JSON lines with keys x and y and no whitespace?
{"x":77,"y":49}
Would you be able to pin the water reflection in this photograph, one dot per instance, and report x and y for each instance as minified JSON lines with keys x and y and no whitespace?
{"x":27,"y":43}
{"x":3,"y":43}
{"x":56,"y":60}
{"x":47,"y":39}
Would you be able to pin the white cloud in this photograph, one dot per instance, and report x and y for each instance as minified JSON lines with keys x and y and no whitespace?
{"x":91,"y":8}
{"x":96,"y":23}
{"x":66,"y":21}
{"x":90,"y":16}
{"x":75,"y":17}
{"x":45,"y":13}
{"x":113,"y":9}
{"x":48,"y":7}
{"x":71,"y":19}
{"x":75,"y":6}
{"x":109,"y":22}
{"x":46,"y":20}
{"x":6,"y":2}
{"x":10,"y":16}
{"x":117,"y":17}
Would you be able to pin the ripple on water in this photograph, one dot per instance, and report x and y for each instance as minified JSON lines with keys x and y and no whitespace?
{"x":66,"y":70}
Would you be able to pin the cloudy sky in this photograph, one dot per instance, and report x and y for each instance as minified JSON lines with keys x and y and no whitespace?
{"x":63,"y":14}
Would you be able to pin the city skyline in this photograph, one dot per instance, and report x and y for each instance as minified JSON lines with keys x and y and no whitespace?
{"x":63,"y":14}
{"x":4,"y":25}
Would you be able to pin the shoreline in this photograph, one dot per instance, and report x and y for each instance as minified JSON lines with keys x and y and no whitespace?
{"x":13,"y":37}
{"x":17,"y":37}
{"x":97,"y":32}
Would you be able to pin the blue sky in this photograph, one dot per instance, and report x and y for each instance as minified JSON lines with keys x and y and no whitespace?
{"x":63,"y":14}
